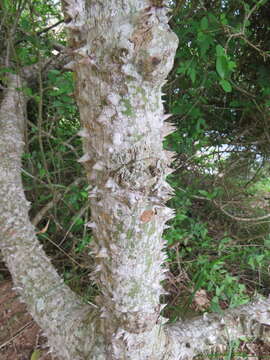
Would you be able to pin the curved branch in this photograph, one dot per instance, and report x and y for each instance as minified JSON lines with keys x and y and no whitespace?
{"x":210,"y":332}
{"x":52,"y":303}
{"x":221,"y":208}
{"x":239,"y":218}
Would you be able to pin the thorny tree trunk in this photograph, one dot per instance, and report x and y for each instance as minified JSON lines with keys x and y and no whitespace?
{"x":123,"y":51}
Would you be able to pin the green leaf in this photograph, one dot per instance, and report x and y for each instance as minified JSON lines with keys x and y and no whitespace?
{"x":183,"y":68}
{"x":204,"y":193}
{"x":42,"y":172}
{"x":251,"y":262}
{"x":27,"y":91}
{"x":204,"y":41}
{"x":181,"y":217}
{"x":226,"y":86}
{"x":5,"y":4}
{"x":247,"y":7}
{"x":220,"y":50}
{"x":215,"y":305}
{"x":57,"y":103}
{"x":223,"y":19}
{"x":192,"y":74}
{"x":232,"y":65}
{"x":36,"y":355}
{"x":84,"y":194}
{"x":204,"y":23}
{"x":212,"y":18}
{"x":222,"y":66}
{"x":26,"y":24}
{"x":54,"y":72}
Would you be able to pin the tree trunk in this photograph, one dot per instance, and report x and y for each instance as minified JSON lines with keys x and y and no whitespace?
{"x":123,"y":51}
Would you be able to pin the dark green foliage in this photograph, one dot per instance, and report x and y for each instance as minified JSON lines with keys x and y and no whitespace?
{"x":218,"y":93}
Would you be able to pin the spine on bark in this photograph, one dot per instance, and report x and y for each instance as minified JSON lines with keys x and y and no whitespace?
{"x":123,"y":51}
{"x":121,"y":59}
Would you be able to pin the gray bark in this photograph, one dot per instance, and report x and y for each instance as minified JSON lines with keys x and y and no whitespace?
{"x":215,"y":332}
{"x":123,"y":51}
{"x":121,"y":58}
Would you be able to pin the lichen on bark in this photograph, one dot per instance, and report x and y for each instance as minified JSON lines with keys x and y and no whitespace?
{"x":123,"y":51}
{"x":121,"y":63}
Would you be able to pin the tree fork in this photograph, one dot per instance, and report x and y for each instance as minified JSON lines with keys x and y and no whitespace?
{"x":123,"y":51}
{"x":121,"y":60}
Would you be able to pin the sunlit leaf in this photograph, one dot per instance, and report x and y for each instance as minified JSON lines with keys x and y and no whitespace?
{"x":226,"y":86}
{"x":36,"y":355}
{"x":222,"y":66}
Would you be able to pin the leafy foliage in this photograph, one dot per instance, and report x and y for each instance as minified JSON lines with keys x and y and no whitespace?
{"x":219,"y":100}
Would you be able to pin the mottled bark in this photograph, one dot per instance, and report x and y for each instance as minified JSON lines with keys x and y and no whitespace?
{"x":213,"y":332}
{"x":123,"y":51}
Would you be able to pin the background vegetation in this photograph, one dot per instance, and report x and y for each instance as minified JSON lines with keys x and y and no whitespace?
{"x":219,"y":95}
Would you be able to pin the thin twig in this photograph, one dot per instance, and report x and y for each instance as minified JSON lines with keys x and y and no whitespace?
{"x":53,"y":202}
{"x":18,"y":333}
